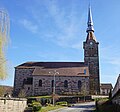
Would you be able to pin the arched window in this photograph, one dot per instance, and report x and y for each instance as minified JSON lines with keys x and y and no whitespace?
{"x":66,"y":84}
{"x":40,"y":83}
{"x":79,"y":84}
{"x":52,"y":83}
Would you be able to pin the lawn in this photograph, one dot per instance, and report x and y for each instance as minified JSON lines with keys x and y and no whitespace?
{"x":48,"y":108}
{"x":41,"y":97}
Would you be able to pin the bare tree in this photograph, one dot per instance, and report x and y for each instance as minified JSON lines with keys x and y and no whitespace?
{"x":4,"y":37}
{"x":22,"y":93}
{"x":1,"y":91}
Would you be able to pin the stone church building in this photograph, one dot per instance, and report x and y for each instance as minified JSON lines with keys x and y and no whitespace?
{"x":46,"y":78}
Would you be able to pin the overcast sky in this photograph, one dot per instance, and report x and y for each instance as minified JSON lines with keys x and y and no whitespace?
{"x":54,"y":30}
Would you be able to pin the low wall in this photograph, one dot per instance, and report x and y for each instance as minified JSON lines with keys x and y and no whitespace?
{"x":12,"y":104}
{"x":74,"y":99}
{"x":99,"y":96}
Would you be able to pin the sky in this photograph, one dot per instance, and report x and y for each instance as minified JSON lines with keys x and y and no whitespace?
{"x":54,"y":30}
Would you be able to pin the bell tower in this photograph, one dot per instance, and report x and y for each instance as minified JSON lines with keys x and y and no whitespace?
{"x":91,"y":56}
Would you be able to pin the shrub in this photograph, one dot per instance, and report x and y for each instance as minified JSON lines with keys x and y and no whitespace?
{"x":36,"y":106}
{"x":69,"y":105}
{"x":30,"y":100}
{"x":44,"y":101}
{"x":29,"y":105}
{"x":63,"y":103}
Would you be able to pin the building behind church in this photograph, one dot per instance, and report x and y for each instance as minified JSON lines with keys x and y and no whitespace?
{"x":106,"y":88}
{"x":38,"y":78}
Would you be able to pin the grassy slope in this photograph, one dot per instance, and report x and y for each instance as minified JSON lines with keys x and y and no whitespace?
{"x":48,"y":108}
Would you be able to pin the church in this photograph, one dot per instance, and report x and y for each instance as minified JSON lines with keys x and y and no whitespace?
{"x":62,"y":78}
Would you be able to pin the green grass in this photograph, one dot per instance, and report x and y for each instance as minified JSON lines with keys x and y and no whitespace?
{"x":101,"y":99}
{"x":51,"y":107}
{"x":40,"y":97}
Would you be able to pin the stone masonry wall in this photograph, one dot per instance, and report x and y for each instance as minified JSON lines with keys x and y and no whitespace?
{"x":116,"y":100}
{"x":60,"y":89}
{"x":91,"y":58}
{"x":20,"y":75}
{"x":12,"y":104}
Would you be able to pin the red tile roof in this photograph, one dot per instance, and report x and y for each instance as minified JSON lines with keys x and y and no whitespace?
{"x":51,"y":64}
{"x":64,"y":68}
{"x":69,"y":71}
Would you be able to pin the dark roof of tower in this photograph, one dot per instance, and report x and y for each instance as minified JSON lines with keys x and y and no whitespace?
{"x":90,"y":36}
{"x":51,"y":64}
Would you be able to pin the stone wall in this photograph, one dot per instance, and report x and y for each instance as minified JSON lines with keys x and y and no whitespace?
{"x":34,"y":89}
{"x":20,"y":75}
{"x":116,"y":99}
{"x":12,"y":104}
{"x":60,"y":89}
{"x":91,"y":57}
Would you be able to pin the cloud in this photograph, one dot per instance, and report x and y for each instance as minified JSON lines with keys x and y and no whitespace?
{"x":29,"y":25}
{"x":68,"y":23}
{"x":110,"y":60}
{"x":53,"y":56}
{"x":110,"y":57}
{"x":65,"y":24}
{"x":110,"y":64}
{"x":14,"y":47}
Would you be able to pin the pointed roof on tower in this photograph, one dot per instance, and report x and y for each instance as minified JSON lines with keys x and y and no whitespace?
{"x":90,"y":21}
{"x":90,"y":29}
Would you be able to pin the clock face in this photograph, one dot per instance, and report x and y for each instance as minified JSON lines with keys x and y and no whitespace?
{"x":91,"y":43}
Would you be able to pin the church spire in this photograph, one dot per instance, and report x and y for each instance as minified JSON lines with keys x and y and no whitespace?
{"x":90,"y":21}
{"x":90,"y":29}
